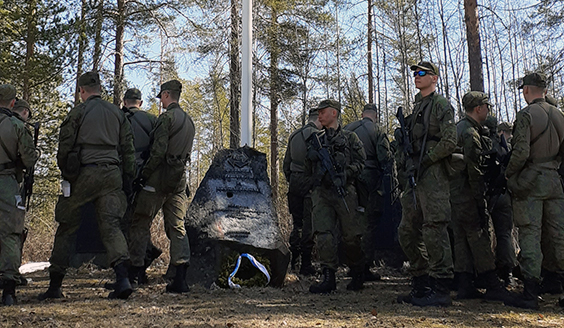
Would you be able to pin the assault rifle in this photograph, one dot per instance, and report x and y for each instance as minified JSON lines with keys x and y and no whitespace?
{"x":408,"y":152}
{"x":494,"y":177}
{"x":328,"y":163}
{"x":27,"y":188}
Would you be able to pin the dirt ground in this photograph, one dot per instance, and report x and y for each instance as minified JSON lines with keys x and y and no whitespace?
{"x":86,"y":305}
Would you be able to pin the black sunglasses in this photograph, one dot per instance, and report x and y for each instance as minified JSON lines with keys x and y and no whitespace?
{"x":421,"y":73}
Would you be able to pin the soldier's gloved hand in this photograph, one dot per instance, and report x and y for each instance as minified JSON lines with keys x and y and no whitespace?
{"x":483,"y":214}
{"x":312,"y":154}
{"x":426,"y":161}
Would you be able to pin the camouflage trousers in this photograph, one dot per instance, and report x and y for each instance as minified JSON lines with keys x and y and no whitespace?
{"x":147,"y":205}
{"x":101,"y":185}
{"x":334,"y":226}
{"x":473,"y":251}
{"x":540,"y":216}
{"x":370,"y":195}
{"x":506,"y":243}
{"x":422,"y":231}
{"x":301,"y":237}
{"x":11,"y":227}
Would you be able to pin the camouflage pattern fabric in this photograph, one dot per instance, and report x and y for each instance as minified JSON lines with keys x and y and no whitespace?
{"x":167,"y":144}
{"x":332,"y":224}
{"x":19,"y":144}
{"x":538,"y":211}
{"x":423,"y":232}
{"x":101,"y":185}
{"x":472,"y":243}
{"x":147,"y":204}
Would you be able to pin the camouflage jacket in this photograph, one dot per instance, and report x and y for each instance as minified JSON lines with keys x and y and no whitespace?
{"x":17,"y":144}
{"x":538,"y":135}
{"x":375,"y":142}
{"x":103,"y":137}
{"x":347,"y":153}
{"x":172,"y":136}
{"x":294,"y":159}
{"x":474,"y":142}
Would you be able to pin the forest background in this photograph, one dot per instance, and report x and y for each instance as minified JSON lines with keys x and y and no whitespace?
{"x":303,"y":51}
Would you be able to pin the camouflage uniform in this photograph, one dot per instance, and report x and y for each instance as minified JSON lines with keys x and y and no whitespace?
{"x":370,"y":184}
{"x":101,"y":134}
{"x":299,"y":194}
{"x":472,"y":243}
{"x":538,"y":198}
{"x":17,"y":147}
{"x":423,"y":229}
{"x":332,"y":224}
{"x":172,"y":140}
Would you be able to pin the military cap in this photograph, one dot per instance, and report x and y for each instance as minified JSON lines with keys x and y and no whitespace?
{"x":89,"y":79}
{"x":475,"y":98}
{"x":491,"y":122}
{"x":426,"y":66}
{"x":370,"y":107}
{"x":329,"y":103}
{"x":534,"y":79}
{"x":313,"y":112}
{"x":172,"y":85}
{"x":7,"y":92}
{"x":20,"y":103}
{"x":505,"y":126}
{"x":133,"y":94}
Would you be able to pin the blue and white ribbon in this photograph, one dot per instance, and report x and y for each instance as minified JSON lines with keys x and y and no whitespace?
{"x":254,"y":262}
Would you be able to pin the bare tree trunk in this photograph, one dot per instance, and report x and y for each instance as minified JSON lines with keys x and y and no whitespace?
{"x":369,"y":55}
{"x":474,"y":48}
{"x":97,"y":55}
{"x":81,"y":49}
{"x":235,"y":78}
{"x":274,"y":57}
{"x":118,"y":68}
{"x":338,"y":51}
{"x":30,"y":46}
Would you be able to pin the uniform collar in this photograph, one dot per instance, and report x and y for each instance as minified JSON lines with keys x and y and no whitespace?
{"x":419,"y":97}
{"x":538,"y":100}
{"x":93,"y":96}
{"x":173,"y":105}
{"x":6,"y":111}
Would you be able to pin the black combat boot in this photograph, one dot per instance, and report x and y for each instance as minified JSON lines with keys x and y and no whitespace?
{"x":327,"y":285}
{"x":420,"y":288}
{"x":561,"y":301}
{"x":466,"y":289}
{"x":551,"y":283}
{"x":122,"y":287}
{"x":369,"y":275}
{"x":438,"y":296}
{"x":495,"y":288}
{"x":178,"y":284}
{"x":506,"y":274}
{"x":9,"y":294}
{"x":54,"y":290}
{"x":530,"y":297}
{"x":134,"y":275}
{"x":357,"y":282}
{"x":307,"y":268}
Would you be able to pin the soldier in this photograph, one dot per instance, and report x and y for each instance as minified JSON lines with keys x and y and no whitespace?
{"x":299,"y":193}
{"x":16,"y":147}
{"x":499,"y":205}
{"x":426,"y":208}
{"x":22,"y":110}
{"x":163,"y":183}
{"x":142,"y":123}
{"x":335,"y":218}
{"x":505,"y":129}
{"x":95,"y":140}
{"x":370,"y":186}
{"x":470,"y":216}
{"x":538,"y":198}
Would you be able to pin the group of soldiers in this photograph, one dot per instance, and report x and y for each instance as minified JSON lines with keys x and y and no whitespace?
{"x":468,"y":189}
{"x":463,"y":184}
{"x":127,"y":162}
